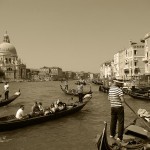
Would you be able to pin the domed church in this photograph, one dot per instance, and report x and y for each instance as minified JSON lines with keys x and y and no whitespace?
{"x":10,"y":64}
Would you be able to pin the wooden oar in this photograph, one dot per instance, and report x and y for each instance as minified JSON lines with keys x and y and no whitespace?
{"x":138,"y":116}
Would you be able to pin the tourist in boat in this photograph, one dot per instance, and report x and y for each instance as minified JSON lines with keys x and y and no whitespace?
{"x":80,"y":92}
{"x":53,"y":108}
{"x":35,"y":110}
{"x":66,"y":84}
{"x":47,"y":111}
{"x":61,"y":106}
{"x":116,"y":99}
{"x":20,"y":112}
{"x":41,"y":107}
{"x":56,"y":104}
{"x":6,"y":90}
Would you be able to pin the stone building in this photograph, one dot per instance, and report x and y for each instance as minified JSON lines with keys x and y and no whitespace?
{"x":56,"y":73}
{"x":10,"y":64}
{"x":134,"y":66}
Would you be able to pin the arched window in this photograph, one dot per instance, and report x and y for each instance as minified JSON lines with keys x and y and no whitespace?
{"x":9,"y":69}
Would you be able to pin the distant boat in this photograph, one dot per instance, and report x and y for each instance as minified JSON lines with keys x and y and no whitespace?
{"x":137,"y":95}
{"x":73,"y":91}
{"x":80,"y":82}
{"x":4,"y":102}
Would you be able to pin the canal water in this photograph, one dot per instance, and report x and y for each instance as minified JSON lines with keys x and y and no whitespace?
{"x":74,"y":132}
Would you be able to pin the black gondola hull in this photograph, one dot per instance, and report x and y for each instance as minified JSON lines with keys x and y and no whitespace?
{"x":15,"y":124}
{"x":133,"y":143}
{"x":139,"y":96}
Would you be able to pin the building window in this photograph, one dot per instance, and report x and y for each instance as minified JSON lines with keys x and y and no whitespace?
{"x":6,"y":60}
{"x":135,"y":52}
{"x":136,"y":70}
{"x":147,"y":54}
{"x":9,"y":69}
{"x":135,"y":63}
{"x":9,"y":60}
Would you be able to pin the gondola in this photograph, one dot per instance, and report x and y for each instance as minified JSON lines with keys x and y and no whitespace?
{"x":137,"y":95}
{"x":4,"y":102}
{"x":80,"y":82}
{"x":102,"y":143}
{"x":73,"y":92}
{"x":97,"y":82}
{"x":10,"y":122}
{"x":103,"y":88}
{"x":134,"y":143}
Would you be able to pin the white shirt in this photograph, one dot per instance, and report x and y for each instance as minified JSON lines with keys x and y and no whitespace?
{"x":41,"y":107}
{"x":80,"y":88}
{"x":19,"y":113}
{"x":6,"y":87}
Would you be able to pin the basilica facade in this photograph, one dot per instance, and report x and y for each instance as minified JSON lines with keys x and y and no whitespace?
{"x":10,"y":64}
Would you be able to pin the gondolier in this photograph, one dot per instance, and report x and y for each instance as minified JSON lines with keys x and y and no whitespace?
{"x":80,"y":92}
{"x":6,"y":90}
{"x":66,"y":84}
{"x":116,"y":98}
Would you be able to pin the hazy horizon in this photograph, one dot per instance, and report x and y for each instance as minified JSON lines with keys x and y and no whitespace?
{"x":75,"y":35}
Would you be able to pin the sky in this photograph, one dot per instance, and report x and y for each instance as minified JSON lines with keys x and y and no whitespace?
{"x":75,"y":35}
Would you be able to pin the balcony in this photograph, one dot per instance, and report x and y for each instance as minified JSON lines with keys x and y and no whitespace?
{"x":145,"y":59}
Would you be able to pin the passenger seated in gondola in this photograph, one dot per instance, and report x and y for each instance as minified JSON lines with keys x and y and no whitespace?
{"x":52,"y":108}
{"x":56,"y":105}
{"x":20,"y":113}
{"x":47,"y":111}
{"x":41,"y":108}
{"x":35,"y":110}
{"x":61,"y":106}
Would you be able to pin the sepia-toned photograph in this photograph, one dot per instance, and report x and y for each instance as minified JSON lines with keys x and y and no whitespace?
{"x":74,"y":75}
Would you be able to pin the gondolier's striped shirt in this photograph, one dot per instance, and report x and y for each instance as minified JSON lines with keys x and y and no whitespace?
{"x":114,"y":96}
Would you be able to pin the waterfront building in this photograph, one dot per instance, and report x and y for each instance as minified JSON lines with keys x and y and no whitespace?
{"x":69,"y":75}
{"x":102,"y":68}
{"x":122,"y":65}
{"x":10,"y":64}
{"x":106,"y":70}
{"x":134,"y":66}
{"x":119,"y":64}
{"x":32,"y":74}
{"x":116,"y":65}
{"x":45,"y":73}
{"x":94,"y":76}
{"x":56,"y":73}
{"x":146,"y":58}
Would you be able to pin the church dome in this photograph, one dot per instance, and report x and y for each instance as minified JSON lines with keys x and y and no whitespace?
{"x":7,"y":49}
